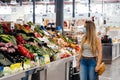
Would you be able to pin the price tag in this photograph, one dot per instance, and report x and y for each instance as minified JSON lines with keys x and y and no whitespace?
{"x":74,"y":61}
{"x":12,"y":26}
{"x":32,"y":27}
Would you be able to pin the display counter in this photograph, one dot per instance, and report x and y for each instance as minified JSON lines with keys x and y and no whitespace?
{"x":19,"y":75}
{"x":16,"y":76}
{"x":111,"y":51}
{"x":115,"y":50}
{"x":57,"y":70}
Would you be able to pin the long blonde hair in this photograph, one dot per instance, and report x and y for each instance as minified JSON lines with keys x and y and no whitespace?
{"x":90,"y":36}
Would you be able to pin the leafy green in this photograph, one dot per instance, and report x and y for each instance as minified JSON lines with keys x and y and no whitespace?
{"x":30,"y":23}
{"x":25,"y":36}
{"x":35,"y":49}
{"x":39,"y":30}
{"x":1,"y":29}
{"x":12,"y":38}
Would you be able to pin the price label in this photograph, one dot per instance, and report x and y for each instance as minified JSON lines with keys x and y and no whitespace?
{"x":32,"y":27}
{"x":12,"y":26}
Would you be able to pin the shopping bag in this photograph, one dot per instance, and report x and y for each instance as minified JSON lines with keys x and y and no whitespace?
{"x":102,"y":68}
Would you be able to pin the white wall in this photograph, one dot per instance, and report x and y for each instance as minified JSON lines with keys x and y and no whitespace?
{"x":111,"y":12}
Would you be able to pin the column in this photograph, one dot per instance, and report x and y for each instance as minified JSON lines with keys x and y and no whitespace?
{"x":89,"y":8}
{"x":73,"y":14}
{"x":33,"y":11}
{"x":20,"y":2}
{"x":59,"y":13}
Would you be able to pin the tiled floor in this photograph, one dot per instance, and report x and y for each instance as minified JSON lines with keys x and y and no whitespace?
{"x":112,"y":71}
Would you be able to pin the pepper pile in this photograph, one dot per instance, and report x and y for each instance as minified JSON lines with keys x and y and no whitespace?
{"x":24,"y":51}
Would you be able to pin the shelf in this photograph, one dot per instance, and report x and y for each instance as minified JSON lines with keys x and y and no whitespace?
{"x":52,"y":66}
{"x":19,"y":75}
{"x":14,"y":76}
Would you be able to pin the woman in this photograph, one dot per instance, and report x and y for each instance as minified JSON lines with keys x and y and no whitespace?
{"x":90,"y":55}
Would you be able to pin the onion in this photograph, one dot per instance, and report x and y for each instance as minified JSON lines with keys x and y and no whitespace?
{"x":10,"y":44}
{"x":3,"y":48}
{"x":11,"y":50}
{"x":2,"y":44}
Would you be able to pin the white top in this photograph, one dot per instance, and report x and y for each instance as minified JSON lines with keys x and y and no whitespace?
{"x":87,"y":52}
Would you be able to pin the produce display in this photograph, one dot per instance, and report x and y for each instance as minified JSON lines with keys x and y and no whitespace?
{"x":30,"y":45}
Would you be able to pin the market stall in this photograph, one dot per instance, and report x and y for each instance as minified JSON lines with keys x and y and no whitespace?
{"x":30,"y":48}
{"x":29,"y":51}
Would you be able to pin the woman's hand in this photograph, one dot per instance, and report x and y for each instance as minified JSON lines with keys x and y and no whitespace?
{"x":97,"y":68}
{"x":77,"y":66}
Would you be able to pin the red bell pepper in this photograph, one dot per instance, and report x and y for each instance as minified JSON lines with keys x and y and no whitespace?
{"x":27,"y":27}
{"x":77,"y":48}
{"x":25,"y":52}
{"x":20,"y":39}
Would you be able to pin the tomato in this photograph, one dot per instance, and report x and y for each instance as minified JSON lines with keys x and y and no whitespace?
{"x":77,"y":48}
